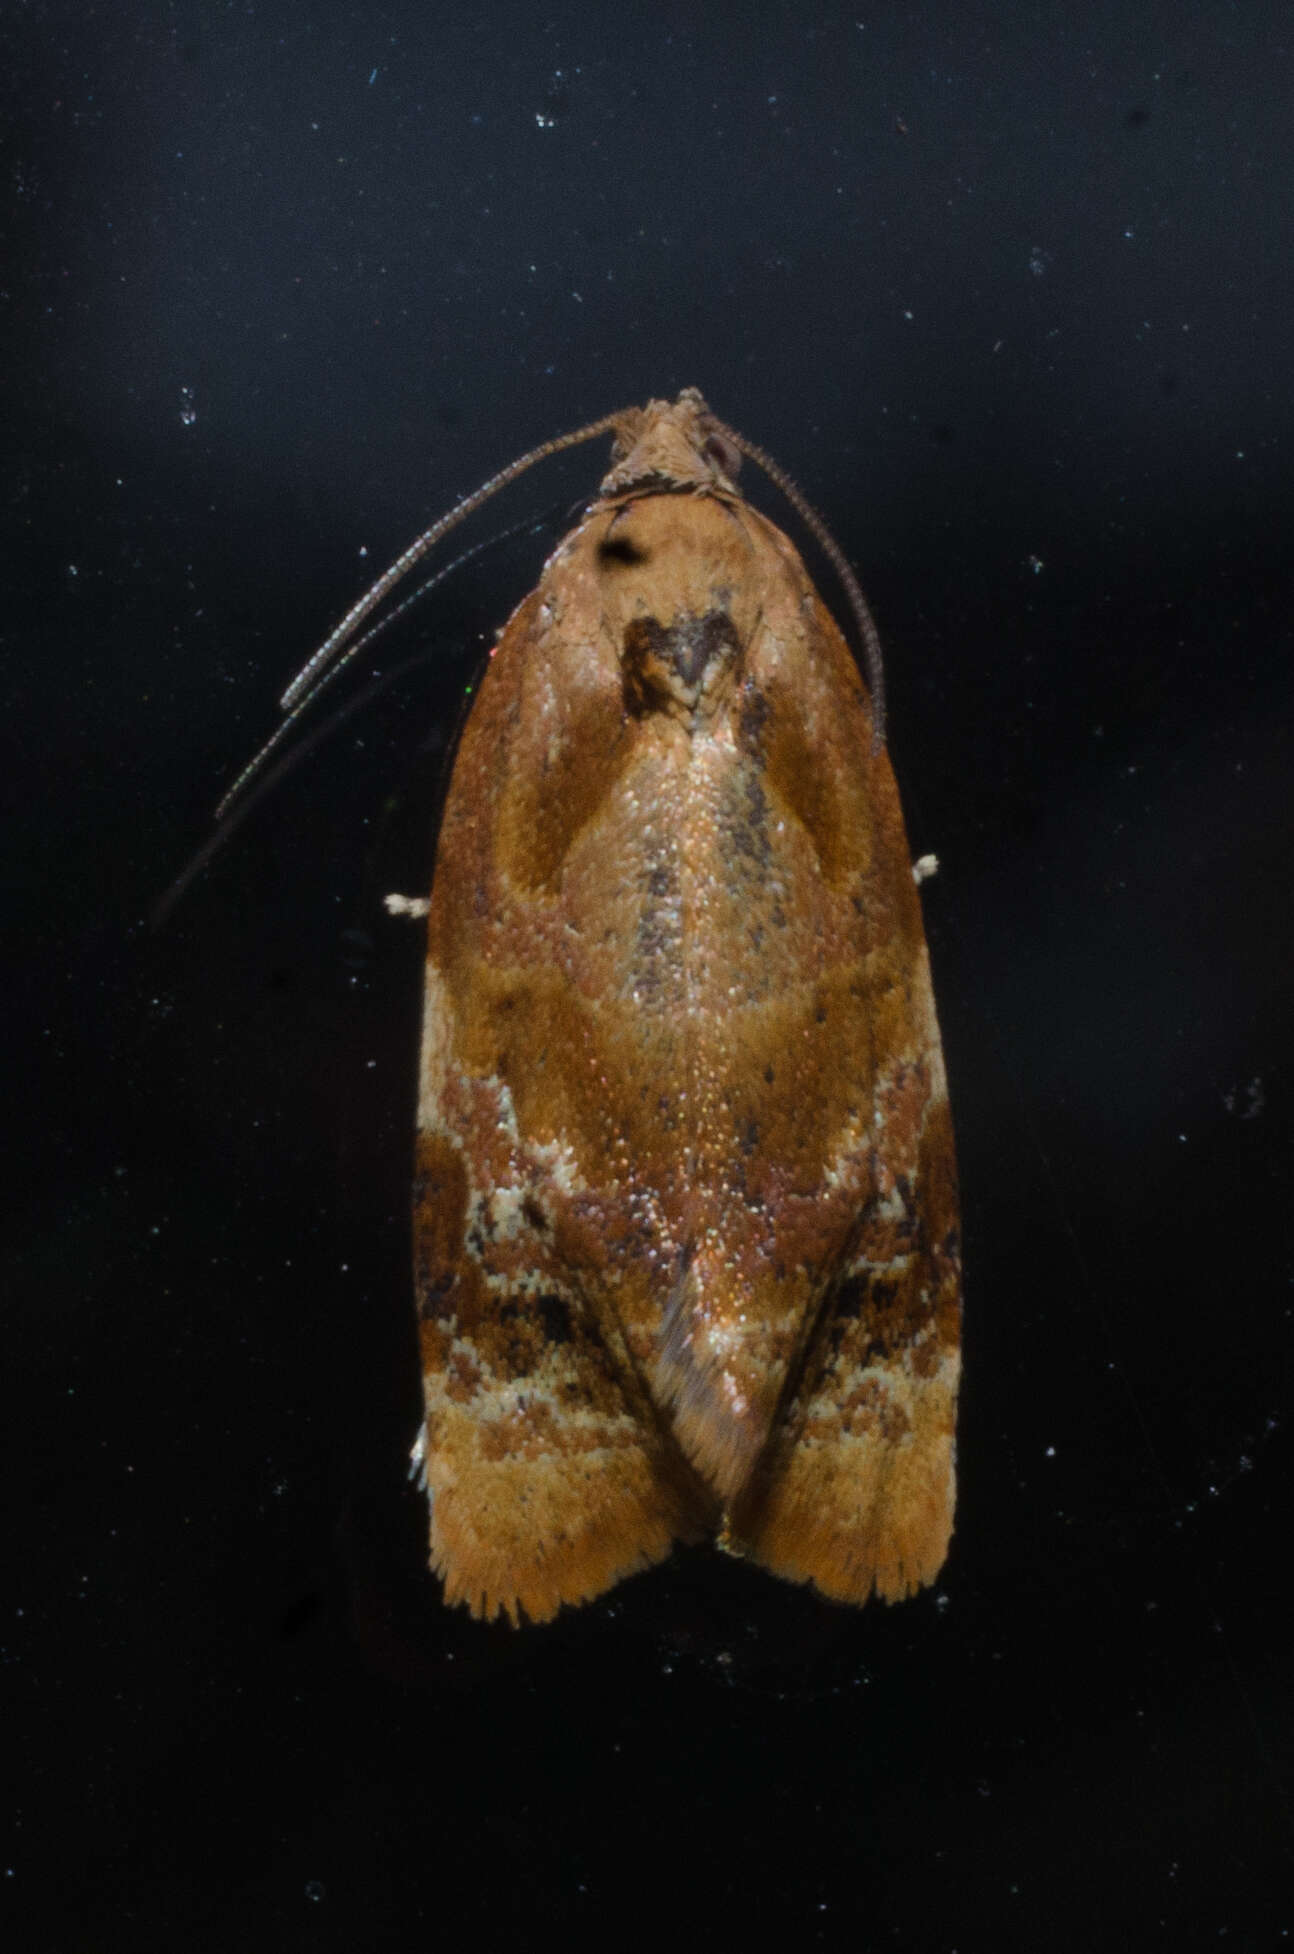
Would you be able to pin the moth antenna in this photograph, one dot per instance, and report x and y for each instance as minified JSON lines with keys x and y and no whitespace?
{"x":253,"y":792}
{"x":325,"y":677}
{"x":872,"y":659}
{"x":345,"y":630}
{"x":258,"y":777}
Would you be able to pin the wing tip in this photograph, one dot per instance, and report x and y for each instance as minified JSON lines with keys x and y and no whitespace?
{"x":853,"y":1541}
{"x":513,"y":1556}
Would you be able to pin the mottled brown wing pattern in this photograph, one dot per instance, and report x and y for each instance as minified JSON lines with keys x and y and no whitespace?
{"x":685,"y":1217}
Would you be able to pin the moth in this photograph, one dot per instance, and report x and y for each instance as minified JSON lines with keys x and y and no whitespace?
{"x":685,"y":1225}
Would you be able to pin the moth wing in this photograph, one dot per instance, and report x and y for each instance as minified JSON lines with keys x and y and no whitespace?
{"x":549,"y":1475}
{"x":546,"y":1479}
{"x":855,"y":1490}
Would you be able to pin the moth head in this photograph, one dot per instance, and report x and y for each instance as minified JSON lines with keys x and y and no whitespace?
{"x":672,"y":445}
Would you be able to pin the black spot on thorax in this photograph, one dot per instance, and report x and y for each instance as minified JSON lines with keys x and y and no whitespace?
{"x":620,"y":549}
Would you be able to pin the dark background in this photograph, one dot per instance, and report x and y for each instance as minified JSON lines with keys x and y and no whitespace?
{"x":1009,"y":292}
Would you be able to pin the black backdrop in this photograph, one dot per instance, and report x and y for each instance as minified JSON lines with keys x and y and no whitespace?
{"x":1009,"y":292}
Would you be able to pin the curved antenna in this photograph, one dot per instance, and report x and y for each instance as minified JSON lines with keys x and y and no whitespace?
{"x":342,"y":633}
{"x":808,"y":515}
{"x":326,"y":675}
{"x":258,"y":777}
{"x":252,"y":794}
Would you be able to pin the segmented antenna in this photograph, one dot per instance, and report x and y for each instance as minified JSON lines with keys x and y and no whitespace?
{"x":340,"y":636}
{"x":326,"y":675}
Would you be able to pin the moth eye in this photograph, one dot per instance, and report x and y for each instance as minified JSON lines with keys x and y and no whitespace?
{"x":723,"y":455}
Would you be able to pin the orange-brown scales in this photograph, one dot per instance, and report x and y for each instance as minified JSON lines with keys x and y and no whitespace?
{"x":685,"y":1216}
